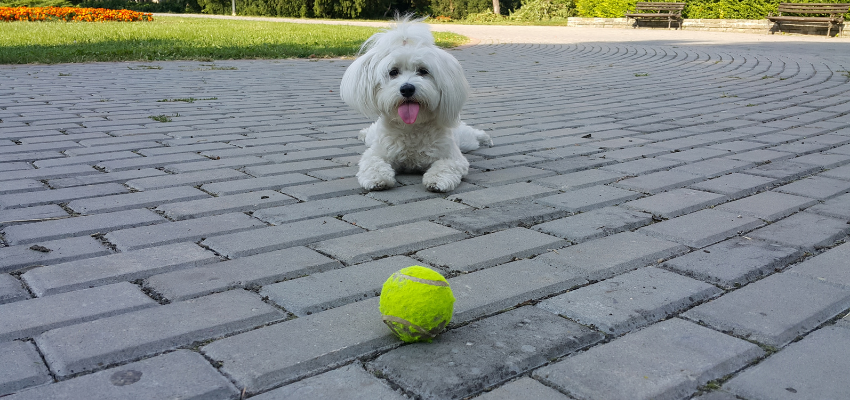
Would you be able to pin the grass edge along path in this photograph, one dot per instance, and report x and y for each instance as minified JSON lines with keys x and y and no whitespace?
{"x":177,"y":38}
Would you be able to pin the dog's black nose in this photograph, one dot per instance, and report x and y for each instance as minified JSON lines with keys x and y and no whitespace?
{"x":407,"y":90}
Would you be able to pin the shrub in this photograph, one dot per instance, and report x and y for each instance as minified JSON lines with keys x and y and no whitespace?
{"x":604,"y":8}
{"x":735,"y":9}
{"x":544,"y":10}
{"x":164,"y":6}
{"x":460,"y":9}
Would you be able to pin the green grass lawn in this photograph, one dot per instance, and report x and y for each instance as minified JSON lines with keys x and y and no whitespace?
{"x":176,"y":38}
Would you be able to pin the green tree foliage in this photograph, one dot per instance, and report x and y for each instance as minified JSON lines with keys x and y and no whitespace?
{"x":460,"y":9}
{"x":603,"y":8}
{"x":544,"y":10}
{"x":737,"y":9}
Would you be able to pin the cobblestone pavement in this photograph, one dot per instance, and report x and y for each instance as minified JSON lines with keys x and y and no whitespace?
{"x":658,"y":219}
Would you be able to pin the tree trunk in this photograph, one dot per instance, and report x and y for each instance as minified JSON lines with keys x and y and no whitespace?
{"x":496,"y":7}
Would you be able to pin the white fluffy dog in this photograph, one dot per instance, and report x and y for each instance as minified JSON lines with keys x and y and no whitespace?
{"x":416,"y":91}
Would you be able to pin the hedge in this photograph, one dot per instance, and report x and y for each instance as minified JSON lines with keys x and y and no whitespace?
{"x":694,"y":9}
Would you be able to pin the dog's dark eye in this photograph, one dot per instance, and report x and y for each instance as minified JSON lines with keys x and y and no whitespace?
{"x":422,"y":71}
{"x":394,"y":72}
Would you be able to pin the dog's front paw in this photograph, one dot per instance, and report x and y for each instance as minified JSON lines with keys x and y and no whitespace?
{"x":440,"y":183}
{"x":484,"y":139}
{"x":376,"y":180}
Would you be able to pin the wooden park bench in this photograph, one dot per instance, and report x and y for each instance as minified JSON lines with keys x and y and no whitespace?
{"x":835,"y":11}
{"x":658,"y":11}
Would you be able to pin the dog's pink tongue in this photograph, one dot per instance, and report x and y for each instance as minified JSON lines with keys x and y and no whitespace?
{"x":408,"y":112}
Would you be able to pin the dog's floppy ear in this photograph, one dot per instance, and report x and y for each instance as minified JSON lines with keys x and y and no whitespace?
{"x":453,"y":87}
{"x":359,"y":89}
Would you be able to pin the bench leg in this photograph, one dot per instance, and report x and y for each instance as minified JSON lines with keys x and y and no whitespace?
{"x":829,"y":30}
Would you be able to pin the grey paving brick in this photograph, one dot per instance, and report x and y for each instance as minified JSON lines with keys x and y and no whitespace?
{"x":22,"y":185}
{"x":631,"y":300}
{"x":274,"y":182}
{"x":838,"y":173}
{"x":494,"y":289}
{"x":506,"y":176}
{"x":817,"y":187}
{"x":334,"y":173}
{"x":127,"y":201}
{"x":181,"y":231}
{"x":305,"y":155}
{"x":385,"y":217}
{"x":186,"y":179}
{"x":337,"y":384}
{"x":336,"y":206}
{"x":415,"y":191}
{"x":579,"y":180}
{"x":783,"y":171}
{"x":119,"y":177}
{"x":713,"y":167}
{"x":675,"y":202}
{"x":290,"y":167}
{"x":401,"y":239}
{"x":23,"y":319}
{"x":734,"y":262}
{"x":774,"y":310}
{"x":243,"y":202}
{"x":324,"y":189}
{"x":762,"y":156}
{"x":488,"y":165}
{"x":735,"y":185}
{"x":642,"y":166}
{"x":467,"y":360}
{"x":18,"y":200}
{"x":148,"y":162}
{"x":31,"y":214}
{"x":702,"y":228}
{"x":129,"y":266}
{"x":837,"y":207}
{"x":87,"y":346}
{"x":491,"y":249}
{"x":48,"y":173}
{"x":827,"y":266}
{"x":77,"y":226}
{"x":279,"y":237}
{"x":589,"y":198}
{"x":208,"y":164}
{"x":11,"y":289}
{"x":505,"y":193}
{"x":804,"y":230}
{"x":658,"y":181}
{"x":668,"y":360}
{"x":323,"y":291}
{"x":824,"y":160}
{"x":180,"y":375}
{"x":769,"y":206}
{"x":612,"y":255}
{"x":806,"y":369}
{"x":523,"y":388}
{"x":24,"y":367}
{"x":573,"y":164}
{"x":500,"y":216}
{"x":88,"y":159}
{"x":29,"y":255}
{"x":316,"y":343}
{"x":595,"y":224}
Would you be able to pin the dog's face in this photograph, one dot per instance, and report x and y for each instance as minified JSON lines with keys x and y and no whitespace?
{"x":403,"y":77}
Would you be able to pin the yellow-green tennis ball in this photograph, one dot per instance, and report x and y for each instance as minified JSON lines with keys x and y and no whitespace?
{"x":417,"y":303}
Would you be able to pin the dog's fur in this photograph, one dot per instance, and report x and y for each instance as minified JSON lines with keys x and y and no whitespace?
{"x":429,"y":141}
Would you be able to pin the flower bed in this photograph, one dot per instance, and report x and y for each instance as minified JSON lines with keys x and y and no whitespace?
{"x":71,"y":14}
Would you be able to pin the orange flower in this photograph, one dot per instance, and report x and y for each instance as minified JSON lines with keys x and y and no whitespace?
{"x":70,"y":14}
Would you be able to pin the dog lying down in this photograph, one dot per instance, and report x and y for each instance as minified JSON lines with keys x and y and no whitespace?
{"x":415,"y":91}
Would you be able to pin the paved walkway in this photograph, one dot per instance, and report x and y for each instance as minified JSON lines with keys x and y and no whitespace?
{"x":662,"y":216}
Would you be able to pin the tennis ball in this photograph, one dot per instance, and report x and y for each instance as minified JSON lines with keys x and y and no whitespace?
{"x":416,"y":303}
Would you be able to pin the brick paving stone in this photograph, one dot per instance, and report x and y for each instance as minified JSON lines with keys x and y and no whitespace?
{"x":817,"y":187}
{"x":735,"y":262}
{"x":181,"y":231}
{"x":78,"y":226}
{"x":824,"y":160}
{"x":415,"y":192}
{"x":631,"y":300}
{"x":129,"y":266}
{"x":334,"y":173}
{"x":161,"y":150}
{"x":579,"y":180}
{"x":279,"y":237}
{"x":120,"y":177}
{"x":22,"y":185}
{"x":89,"y":159}
{"x":702,"y":228}
{"x":127,"y":201}
{"x":693,"y":155}
{"x":26,"y":148}
{"x":31,"y":214}
{"x":333,"y":288}
{"x":827,"y":266}
{"x":807,"y":369}
{"x":244,"y":272}
{"x":762,"y":156}
{"x":714,"y":167}
{"x":735,"y":185}
{"x":18,"y":200}
{"x":181,"y":374}
{"x":837,"y":207}
{"x":11,"y":289}
{"x":524,"y":387}
{"x":385,"y":217}
{"x":505,"y":162}
{"x":500,"y":216}
{"x":255,"y":360}
{"x":658,"y":181}
{"x":589,"y":198}
{"x":804,"y":230}
{"x":783,"y":171}
{"x":274,"y":182}
{"x":838,"y":173}
{"x":526,"y":147}
{"x":24,"y":319}
{"x":716,"y":396}
{"x":323,"y":189}
{"x":290,"y":168}
{"x":87,"y":346}
{"x":774,"y":310}
{"x":738,"y":146}
{"x":208,"y":164}
{"x":336,"y":206}
{"x":511,"y":192}
{"x":612,"y":255}
{"x":769,"y":206}
{"x":595,"y":224}
{"x":149,"y":162}
{"x":491,"y":249}
{"x":24,"y":367}
{"x":31,"y":157}
{"x":186,"y":179}
{"x":401,"y":239}
{"x":336,"y":384}
{"x":29,"y":255}
{"x":506,"y":176}
{"x":574,"y":164}
{"x":15,"y":166}
{"x":642,"y":166}
{"x":132,"y":146}
{"x":306,"y":155}
{"x":675,"y":202}
{"x":465,"y":361}
{"x":243,"y":202}
{"x":668,"y":360}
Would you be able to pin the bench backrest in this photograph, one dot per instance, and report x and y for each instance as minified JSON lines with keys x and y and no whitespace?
{"x":813,"y":8}
{"x":655,"y":6}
